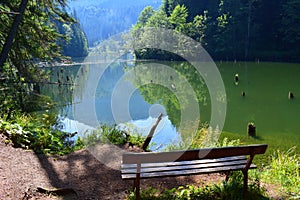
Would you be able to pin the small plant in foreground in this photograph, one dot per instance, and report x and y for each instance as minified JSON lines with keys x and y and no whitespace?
{"x":149,"y":194}
{"x":112,"y":135}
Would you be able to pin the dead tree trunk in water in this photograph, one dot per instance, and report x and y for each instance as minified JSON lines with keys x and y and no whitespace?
{"x":151,"y":133}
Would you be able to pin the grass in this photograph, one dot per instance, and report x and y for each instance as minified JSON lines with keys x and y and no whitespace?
{"x":113,"y":135}
{"x":274,"y":144}
{"x":284,"y":170}
{"x":233,"y":189}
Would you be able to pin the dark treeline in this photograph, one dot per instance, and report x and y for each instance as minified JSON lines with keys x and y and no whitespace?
{"x":233,"y":30}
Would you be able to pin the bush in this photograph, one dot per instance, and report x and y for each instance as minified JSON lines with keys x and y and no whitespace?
{"x":112,"y":135}
{"x":38,"y":133}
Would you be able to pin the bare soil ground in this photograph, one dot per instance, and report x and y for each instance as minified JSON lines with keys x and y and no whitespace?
{"x":24,"y":175}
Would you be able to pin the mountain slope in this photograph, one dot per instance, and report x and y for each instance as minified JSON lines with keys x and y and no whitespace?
{"x":103,"y":18}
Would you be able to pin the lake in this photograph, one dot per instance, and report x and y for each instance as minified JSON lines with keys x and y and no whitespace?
{"x":134,"y":103}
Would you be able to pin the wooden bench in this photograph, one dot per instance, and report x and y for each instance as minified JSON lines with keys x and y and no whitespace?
{"x":136,"y":166}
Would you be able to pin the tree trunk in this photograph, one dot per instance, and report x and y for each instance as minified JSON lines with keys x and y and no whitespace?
{"x":12,"y":33}
{"x":248,"y":30}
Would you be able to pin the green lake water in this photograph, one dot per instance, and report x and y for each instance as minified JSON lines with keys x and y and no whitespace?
{"x":266,"y":102}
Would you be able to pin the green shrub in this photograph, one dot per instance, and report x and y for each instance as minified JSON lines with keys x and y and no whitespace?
{"x":112,"y":135}
{"x":105,"y":134}
{"x":137,"y":139}
{"x":38,"y":133}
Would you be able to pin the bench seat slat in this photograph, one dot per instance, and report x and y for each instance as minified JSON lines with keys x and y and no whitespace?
{"x":186,"y":166}
{"x":187,"y":172}
{"x":202,"y":161}
{"x":194,"y":154}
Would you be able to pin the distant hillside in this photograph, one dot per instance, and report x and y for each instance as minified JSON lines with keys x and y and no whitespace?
{"x":103,"y":18}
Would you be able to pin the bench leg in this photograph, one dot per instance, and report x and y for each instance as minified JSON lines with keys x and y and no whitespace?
{"x":245,"y":172}
{"x":137,"y":181}
{"x":227,"y":176}
{"x":136,"y":187}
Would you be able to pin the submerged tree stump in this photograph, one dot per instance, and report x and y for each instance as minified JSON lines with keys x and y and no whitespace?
{"x":251,"y":129}
{"x":291,"y":95}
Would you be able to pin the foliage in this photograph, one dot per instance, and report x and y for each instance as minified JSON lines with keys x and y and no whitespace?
{"x":203,"y":140}
{"x":36,"y":37}
{"x":104,"y":134}
{"x":146,"y":13}
{"x":284,"y":170}
{"x":9,"y":106}
{"x":137,"y":139}
{"x":76,"y":44}
{"x":233,"y":30}
{"x":177,"y":20}
{"x":205,"y":137}
{"x":178,"y":17}
{"x":39,"y":134}
{"x":149,"y":193}
{"x":233,"y":189}
{"x":20,"y":96}
{"x":111,"y":134}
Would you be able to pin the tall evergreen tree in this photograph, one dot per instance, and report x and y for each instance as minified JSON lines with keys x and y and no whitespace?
{"x":36,"y":36}
{"x":35,"y":40}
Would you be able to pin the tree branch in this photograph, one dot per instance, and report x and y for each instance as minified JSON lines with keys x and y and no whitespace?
{"x":8,"y":12}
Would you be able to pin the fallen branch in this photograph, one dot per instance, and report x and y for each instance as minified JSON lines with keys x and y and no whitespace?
{"x":9,"y":12}
{"x":151,"y":133}
{"x":59,"y":191}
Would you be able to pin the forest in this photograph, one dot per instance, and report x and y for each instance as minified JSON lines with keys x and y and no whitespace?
{"x":245,"y":30}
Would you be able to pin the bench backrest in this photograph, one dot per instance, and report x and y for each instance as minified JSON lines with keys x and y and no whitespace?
{"x":194,"y":154}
